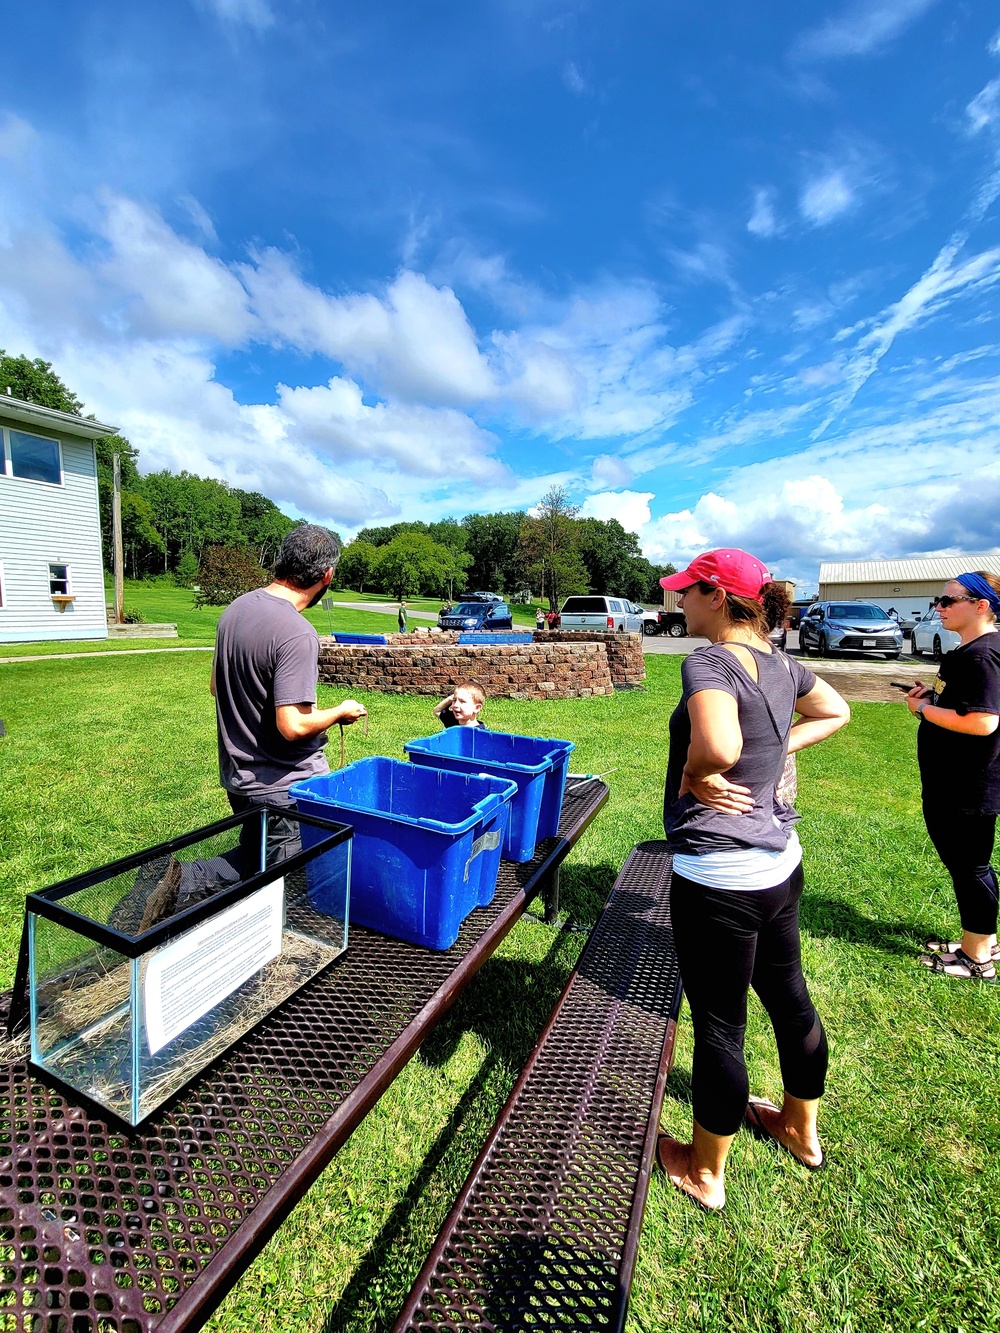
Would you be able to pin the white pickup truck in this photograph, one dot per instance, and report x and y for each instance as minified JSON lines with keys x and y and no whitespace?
{"x":601,"y":614}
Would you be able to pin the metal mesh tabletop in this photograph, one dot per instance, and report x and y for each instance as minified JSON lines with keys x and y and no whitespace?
{"x":545,"y":1232}
{"x":104,"y":1230}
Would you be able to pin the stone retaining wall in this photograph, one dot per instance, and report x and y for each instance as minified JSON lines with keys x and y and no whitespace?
{"x":624,"y":651}
{"x":430,"y":664}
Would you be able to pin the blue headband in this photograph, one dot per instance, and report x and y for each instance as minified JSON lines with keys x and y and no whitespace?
{"x":978,"y":585}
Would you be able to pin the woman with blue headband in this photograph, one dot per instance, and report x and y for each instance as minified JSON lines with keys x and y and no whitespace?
{"x":958,"y":749}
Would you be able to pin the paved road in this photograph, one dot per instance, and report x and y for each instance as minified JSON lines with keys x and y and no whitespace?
{"x":386,"y":609}
{"x":657,"y":644}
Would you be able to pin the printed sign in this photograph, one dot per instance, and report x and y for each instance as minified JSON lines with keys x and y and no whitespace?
{"x":190,"y":975}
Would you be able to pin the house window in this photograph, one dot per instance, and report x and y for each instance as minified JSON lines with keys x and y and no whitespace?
{"x":34,"y":458}
{"x":59,"y":581}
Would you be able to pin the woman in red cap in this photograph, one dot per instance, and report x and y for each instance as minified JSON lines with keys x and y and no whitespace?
{"x":737,"y":872}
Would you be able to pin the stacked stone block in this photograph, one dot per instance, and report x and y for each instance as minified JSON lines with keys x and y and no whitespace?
{"x":573,"y":669}
{"x":624,"y":651}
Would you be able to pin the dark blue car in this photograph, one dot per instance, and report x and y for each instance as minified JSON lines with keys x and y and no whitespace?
{"x":477,"y":615}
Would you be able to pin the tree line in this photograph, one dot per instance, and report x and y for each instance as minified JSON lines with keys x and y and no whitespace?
{"x":543,"y":556}
{"x":201,"y":530}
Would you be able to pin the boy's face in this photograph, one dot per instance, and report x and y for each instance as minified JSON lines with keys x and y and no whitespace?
{"x":464,"y":708}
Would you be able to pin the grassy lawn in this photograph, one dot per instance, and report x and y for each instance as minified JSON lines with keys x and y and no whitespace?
{"x":161,"y":603}
{"x":900,"y":1232}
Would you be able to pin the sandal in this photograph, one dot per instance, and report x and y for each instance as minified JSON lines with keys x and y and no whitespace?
{"x":699,"y":1203}
{"x":959,"y":964}
{"x":755,"y":1124}
{"x":937,"y":945}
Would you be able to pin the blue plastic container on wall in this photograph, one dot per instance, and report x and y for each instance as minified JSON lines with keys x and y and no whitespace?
{"x":537,"y":766}
{"x":427,"y":843}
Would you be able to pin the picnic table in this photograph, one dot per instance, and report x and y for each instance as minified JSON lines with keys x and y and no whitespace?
{"x":111,"y":1230}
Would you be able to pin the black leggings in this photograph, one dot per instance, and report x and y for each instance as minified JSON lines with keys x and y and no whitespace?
{"x":964,"y":843}
{"x":727,"y":942}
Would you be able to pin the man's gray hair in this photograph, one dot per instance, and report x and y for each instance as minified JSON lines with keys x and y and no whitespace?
{"x":305,"y":555}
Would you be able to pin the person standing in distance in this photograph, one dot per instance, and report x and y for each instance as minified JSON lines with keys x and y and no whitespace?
{"x":401,"y":616}
{"x":264,"y":677}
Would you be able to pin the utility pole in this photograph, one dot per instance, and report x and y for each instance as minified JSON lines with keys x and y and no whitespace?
{"x":116,"y":529}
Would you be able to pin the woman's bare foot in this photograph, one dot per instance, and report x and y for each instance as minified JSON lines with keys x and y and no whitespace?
{"x":766,"y":1119}
{"x":674,"y":1159}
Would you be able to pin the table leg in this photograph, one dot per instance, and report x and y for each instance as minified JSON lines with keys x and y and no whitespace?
{"x":551,"y":896}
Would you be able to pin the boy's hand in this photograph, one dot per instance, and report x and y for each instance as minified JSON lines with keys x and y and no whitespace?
{"x":351,"y":711}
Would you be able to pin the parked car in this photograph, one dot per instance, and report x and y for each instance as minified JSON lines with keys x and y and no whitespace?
{"x":483,"y":597}
{"x":831,"y":628}
{"x":477,"y":615}
{"x":779,"y":636}
{"x":600,"y":613}
{"x":930,"y":636}
{"x":672,"y":623}
{"x":650,"y":622}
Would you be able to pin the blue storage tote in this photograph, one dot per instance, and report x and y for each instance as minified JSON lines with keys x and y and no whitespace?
{"x":360,"y":638}
{"x":427,"y":843}
{"x":471,"y":637}
{"x":537,"y":766}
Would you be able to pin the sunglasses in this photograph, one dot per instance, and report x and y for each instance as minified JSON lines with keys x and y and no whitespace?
{"x":950,"y":601}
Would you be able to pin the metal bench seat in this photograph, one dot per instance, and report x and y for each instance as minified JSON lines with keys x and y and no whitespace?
{"x":129,"y":1231}
{"x":545,"y":1231}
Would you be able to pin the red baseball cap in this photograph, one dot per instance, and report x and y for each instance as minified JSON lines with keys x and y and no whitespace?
{"x":735,"y":571}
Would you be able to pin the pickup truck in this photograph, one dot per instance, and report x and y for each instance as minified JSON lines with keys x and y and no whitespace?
{"x":672,"y":623}
{"x":601,"y":614}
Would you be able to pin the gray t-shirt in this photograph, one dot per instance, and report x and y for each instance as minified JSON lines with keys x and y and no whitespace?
{"x":266,"y":655}
{"x":695,"y":828}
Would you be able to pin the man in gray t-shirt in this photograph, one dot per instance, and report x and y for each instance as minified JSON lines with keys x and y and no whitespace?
{"x":264,"y":677}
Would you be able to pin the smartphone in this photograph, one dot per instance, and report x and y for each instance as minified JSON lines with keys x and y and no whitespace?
{"x":898,"y":685}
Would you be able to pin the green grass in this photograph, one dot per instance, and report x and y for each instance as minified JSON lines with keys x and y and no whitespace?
{"x":161,"y":603}
{"x":900,"y":1232}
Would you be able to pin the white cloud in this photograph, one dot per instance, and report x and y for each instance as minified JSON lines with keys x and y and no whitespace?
{"x":574,"y":80}
{"x":18,"y":138}
{"x":947,"y":279}
{"x":255,"y":14}
{"x":862,"y":28}
{"x":984,"y":108}
{"x":826,"y":196}
{"x":607,"y":470}
{"x":171,"y":287}
{"x":763,"y":218}
{"x":414,"y":342}
{"x":630,"y":508}
{"x":419,"y":441}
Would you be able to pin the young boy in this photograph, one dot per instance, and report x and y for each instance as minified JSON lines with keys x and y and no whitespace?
{"x":462,"y":707}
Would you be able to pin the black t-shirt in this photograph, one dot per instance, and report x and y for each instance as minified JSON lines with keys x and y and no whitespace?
{"x":956,"y":771}
{"x":448,"y":719}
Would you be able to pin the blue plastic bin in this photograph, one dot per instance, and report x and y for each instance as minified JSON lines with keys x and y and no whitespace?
{"x":537,"y":766}
{"x":473,"y":637}
{"x":427,"y":843}
{"x":360,"y":638}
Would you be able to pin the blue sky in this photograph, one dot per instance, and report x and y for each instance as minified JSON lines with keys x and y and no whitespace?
{"x":726,"y":272}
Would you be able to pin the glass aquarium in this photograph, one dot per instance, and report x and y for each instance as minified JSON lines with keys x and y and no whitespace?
{"x":142,"y":973}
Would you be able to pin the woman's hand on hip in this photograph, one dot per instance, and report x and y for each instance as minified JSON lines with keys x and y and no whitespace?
{"x":718,"y":793}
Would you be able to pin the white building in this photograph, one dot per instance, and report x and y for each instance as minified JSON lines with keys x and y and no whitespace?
{"x":51,"y":572}
{"x":906,"y":586}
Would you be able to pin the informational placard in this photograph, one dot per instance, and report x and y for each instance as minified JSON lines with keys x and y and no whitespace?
{"x":191,"y":975}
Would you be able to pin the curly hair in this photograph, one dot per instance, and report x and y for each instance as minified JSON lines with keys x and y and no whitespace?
{"x":760,"y":616}
{"x":306,"y":554}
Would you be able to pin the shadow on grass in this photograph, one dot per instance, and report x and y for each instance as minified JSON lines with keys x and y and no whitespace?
{"x":506,"y":1006}
{"x":831,"y":918}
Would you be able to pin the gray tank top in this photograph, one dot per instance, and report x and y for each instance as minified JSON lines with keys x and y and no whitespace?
{"x":766,"y":708}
